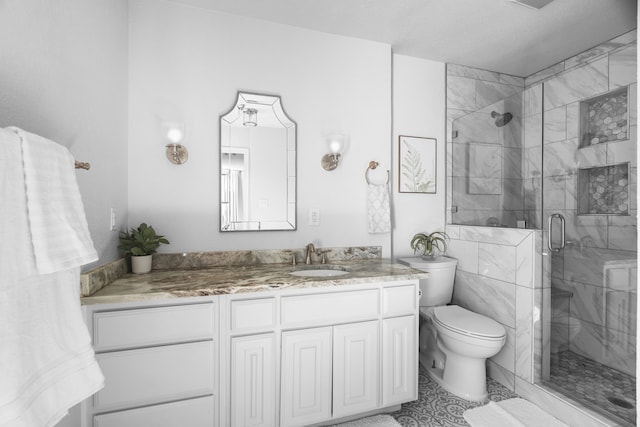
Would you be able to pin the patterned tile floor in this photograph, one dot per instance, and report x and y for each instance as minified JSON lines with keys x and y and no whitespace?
{"x":436,"y":407}
{"x":595,"y":385}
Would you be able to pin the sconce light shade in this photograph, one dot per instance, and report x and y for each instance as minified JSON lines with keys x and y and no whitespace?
{"x":336,"y":144}
{"x":176,"y":152}
{"x":175,"y":135}
{"x":250,"y":117}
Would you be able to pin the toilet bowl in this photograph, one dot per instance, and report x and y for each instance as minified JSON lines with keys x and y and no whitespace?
{"x":466,"y":339}
{"x":454,"y":342}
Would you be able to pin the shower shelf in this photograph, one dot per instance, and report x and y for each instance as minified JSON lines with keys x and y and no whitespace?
{"x":605,"y":118}
{"x":604,"y":190}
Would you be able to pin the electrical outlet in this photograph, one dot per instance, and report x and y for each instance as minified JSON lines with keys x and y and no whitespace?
{"x":314,"y":216}
{"x":112,"y":220}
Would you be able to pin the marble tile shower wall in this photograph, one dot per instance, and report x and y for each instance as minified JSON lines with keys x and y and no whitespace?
{"x":498,"y":275}
{"x":598,"y":266}
{"x":486,"y":179}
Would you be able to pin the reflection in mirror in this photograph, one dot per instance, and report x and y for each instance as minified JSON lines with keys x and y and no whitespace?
{"x":257,"y":165}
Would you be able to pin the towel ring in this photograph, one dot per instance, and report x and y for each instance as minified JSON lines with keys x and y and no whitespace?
{"x":372,"y":165}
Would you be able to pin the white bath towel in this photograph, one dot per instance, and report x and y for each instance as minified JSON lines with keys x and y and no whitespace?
{"x":57,"y":222}
{"x":510,"y":413}
{"x":47,"y":364}
{"x":378,"y":209}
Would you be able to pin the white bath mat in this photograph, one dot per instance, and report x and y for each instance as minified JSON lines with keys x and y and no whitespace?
{"x":510,"y":413}
{"x":375,"y":421}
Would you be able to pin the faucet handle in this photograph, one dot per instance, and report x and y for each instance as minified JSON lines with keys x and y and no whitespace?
{"x":322,"y":253}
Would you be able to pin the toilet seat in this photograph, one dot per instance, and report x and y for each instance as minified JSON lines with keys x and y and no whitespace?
{"x":459,"y":320}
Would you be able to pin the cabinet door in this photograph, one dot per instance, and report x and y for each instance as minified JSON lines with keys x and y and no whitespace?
{"x":253,"y":387}
{"x":356,"y":369}
{"x":306,"y":377}
{"x":399,"y":360}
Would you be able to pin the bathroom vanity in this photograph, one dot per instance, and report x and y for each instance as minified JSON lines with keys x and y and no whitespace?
{"x":254,"y":345}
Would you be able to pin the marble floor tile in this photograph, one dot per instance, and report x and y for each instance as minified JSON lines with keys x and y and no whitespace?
{"x":437,"y":407}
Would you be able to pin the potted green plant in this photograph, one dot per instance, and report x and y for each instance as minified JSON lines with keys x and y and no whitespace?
{"x":141,"y":243}
{"x":430,"y":246}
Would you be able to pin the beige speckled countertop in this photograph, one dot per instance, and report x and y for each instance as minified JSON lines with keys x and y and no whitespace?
{"x":221,"y":280}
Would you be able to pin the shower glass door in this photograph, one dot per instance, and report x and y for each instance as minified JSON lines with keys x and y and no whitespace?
{"x":589,"y":176}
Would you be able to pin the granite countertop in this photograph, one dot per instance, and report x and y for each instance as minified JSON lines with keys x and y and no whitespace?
{"x":232,"y":279}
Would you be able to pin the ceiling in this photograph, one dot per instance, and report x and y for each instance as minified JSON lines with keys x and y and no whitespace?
{"x":496,"y":35}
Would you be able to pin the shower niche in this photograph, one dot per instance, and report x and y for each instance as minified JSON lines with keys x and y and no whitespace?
{"x":605,"y":118}
{"x":604,"y":190}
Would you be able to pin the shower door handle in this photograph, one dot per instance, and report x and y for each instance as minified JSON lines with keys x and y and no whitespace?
{"x":562,"y":241}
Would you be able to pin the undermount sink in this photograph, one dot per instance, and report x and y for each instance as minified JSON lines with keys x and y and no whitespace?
{"x":328,"y":271}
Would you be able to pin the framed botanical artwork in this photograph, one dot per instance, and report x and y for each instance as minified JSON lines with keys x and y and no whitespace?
{"x":417,"y":158}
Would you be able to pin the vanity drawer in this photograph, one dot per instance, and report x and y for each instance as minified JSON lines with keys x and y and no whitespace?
{"x":399,"y":300}
{"x":113,"y":330}
{"x":155,"y":375}
{"x":329,"y":308}
{"x":193,"y":413}
{"x":253,"y":315}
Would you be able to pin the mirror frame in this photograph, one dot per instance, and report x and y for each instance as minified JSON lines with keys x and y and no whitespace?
{"x":244,"y":97}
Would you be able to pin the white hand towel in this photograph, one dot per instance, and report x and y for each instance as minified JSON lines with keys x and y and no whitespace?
{"x":58,"y":225}
{"x":47,"y":364}
{"x":378,"y":209}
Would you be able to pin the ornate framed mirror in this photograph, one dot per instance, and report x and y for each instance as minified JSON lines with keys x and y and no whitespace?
{"x":257,"y":165}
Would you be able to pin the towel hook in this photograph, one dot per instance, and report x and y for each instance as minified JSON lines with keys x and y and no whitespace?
{"x":372,"y":165}
{"x":82,"y":165}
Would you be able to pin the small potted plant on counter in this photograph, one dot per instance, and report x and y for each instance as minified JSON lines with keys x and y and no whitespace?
{"x":141,"y":243}
{"x":430,"y":246}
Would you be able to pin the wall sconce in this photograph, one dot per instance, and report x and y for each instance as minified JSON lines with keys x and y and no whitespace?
{"x":336,"y":145}
{"x":250,"y":117}
{"x":176,"y":152}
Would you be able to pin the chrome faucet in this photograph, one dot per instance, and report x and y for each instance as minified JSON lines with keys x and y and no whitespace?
{"x":310,"y":249}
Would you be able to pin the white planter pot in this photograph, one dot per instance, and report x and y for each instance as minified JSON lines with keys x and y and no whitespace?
{"x":141,"y":264}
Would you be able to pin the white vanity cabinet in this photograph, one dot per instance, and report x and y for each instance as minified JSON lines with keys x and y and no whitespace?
{"x":312,"y":356}
{"x":159,"y":362}
{"x":297,"y":357}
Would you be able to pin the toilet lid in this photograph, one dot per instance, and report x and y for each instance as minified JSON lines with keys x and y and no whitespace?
{"x":466,"y":322}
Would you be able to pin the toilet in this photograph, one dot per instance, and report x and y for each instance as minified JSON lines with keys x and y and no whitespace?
{"x":454,"y":342}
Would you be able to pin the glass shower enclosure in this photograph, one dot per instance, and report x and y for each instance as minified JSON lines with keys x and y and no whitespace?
{"x":565,"y":166}
{"x":589,"y":202}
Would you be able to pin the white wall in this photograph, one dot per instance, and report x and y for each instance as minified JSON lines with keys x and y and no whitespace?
{"x":63,"y":75}
{"x":418,"y":110}
{"x":188,"y":63}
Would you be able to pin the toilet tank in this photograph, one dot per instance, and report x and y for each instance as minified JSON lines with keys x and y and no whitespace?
{"x":438,"y":288}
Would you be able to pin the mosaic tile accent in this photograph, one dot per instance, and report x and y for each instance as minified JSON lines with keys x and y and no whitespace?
{"x":605,"y":118}
{"x":604,"y":190}
{"x":437,"y":407}
{"x":595,"y":385}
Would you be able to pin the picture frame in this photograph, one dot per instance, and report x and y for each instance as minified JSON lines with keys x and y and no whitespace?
{"x":417,"y":171}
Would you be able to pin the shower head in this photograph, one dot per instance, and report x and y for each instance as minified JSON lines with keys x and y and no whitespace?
{"x":501,"y":119}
